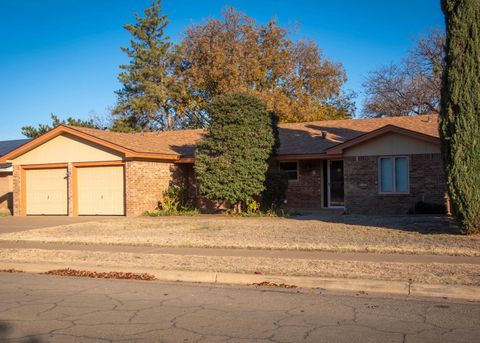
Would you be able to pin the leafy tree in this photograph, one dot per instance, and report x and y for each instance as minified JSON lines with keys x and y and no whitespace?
{"x":231,"y":160}
{"x":152,"y":98}
{"x":411,"y":86}
{"x":34,"y":132}
{"x":460,"y":114}
{"x":235,"y":54}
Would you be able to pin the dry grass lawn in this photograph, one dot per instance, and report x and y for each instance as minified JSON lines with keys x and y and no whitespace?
{"x":466,"y":274}
{"x":404,"y":235}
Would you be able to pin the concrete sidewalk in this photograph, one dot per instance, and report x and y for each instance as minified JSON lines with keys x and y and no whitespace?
{"x":287,"y":254}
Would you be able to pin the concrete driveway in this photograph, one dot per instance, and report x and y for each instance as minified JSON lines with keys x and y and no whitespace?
{"x":16,"y":224}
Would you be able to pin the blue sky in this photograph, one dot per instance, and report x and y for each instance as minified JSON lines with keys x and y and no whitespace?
{"x":62,"y":56}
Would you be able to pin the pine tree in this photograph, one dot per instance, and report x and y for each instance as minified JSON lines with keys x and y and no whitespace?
{"x":232,"y":159}
{"x":460,"y":110}
{"x":33,"y":132}
{"x":149,"y":99}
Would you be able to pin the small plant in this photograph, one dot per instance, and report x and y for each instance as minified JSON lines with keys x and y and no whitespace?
{"x":5,"y":212}
{"x":170,"y":203}
{"x":172,"y":206}
{"x":253,"y":206}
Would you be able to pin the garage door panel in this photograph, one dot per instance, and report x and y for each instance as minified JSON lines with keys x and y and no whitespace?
{"x":100,"y":190}
{"x":46,"y":191}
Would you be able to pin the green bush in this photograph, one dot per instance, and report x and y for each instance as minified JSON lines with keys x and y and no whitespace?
{"x":275,"y":193}
{"x":232,"y":158}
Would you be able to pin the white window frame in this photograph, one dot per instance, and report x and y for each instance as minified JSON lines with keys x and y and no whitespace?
{"x":394,"y":176}
{"x":298,"y":169}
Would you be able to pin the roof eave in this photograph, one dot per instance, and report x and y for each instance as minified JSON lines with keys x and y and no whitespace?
{"x":338,"y":149}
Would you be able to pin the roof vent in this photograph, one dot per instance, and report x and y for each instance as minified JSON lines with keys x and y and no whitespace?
{"x":324,"y":134}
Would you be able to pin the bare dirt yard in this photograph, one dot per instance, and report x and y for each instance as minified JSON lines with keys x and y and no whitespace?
{"x":325,"y":232}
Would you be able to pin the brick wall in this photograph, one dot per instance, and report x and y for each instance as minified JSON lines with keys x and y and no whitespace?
{"x":426,"y":179}
{"x":306,"y":192}
{"x":17,"y":191}
{"x":6,"y":191}
{"x":145,"y":183}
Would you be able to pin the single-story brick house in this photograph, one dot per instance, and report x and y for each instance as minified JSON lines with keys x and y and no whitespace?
{"x":380,"y":165}
{"x":6,"y":177}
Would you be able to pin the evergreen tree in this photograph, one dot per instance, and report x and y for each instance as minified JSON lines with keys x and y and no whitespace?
{"x":231,"y":161}
{"x":149,"y":99}
{"x":460,"y":110}
{"x":33,"y":132}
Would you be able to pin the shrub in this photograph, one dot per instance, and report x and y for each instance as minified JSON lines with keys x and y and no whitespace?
{"x":232,"y":158}
{"x":276,"y":186}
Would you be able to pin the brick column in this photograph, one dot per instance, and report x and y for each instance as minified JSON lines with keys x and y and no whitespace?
{"x":17,"y":190}
{"x":70,"y":188}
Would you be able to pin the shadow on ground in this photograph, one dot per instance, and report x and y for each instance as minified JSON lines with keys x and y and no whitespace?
{"x":425,"y":224}
{"x":7,"y":328}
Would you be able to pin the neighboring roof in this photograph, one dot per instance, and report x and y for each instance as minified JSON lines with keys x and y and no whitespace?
{"x":295,"y":138}
{"x":7,"y":146}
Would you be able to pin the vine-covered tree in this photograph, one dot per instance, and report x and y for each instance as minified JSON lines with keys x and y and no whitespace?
{"x":231,"y":161}
{"x":33,"y":132}
{"x":411,"y":86}
{"x":151,"y":95}
{"x":460,"y":115}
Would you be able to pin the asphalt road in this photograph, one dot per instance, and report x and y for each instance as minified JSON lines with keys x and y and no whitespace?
{"x":37,"y":308}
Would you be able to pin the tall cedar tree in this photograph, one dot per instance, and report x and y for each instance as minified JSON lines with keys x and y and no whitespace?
{"x":149,"y":99}
{"x":236,"y":54}
{"x":33,"y":132}
{"x":231,"y":161}
{"x":460,"y":112}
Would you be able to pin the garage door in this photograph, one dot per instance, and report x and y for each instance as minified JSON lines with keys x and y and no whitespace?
{"x":100,"y":190}
{"x":46,"y":191}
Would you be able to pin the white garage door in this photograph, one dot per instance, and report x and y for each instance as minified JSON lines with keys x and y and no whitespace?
{"x":46,"y":191}
{"x":100,"y":190}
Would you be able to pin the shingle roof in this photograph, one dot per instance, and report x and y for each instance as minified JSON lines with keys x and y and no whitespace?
{"x":7,"y":146}
{"x":295,"y":138}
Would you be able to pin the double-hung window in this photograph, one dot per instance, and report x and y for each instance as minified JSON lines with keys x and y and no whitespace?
{"x":393,"y":174}
{"x":291,"y":169}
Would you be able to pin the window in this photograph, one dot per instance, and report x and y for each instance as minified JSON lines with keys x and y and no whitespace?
{"x":291,"y":168}
{"x":393,"y":175}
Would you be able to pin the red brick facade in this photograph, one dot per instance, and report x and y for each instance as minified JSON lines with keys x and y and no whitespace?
{"x":6,"y":195}
{"x":307,"y":191}
{"x":17,"y":191}
{"x":426,"y":179}
{"x":145,"y":183}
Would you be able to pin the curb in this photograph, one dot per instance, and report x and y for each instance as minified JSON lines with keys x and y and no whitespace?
{"x":331,"y":284}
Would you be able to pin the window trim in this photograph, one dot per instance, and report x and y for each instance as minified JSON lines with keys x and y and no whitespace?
{"x":379,"y":173}
{"x":298,"y":169}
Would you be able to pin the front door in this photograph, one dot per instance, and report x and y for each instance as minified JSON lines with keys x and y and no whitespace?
{"x":335,"y":183}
